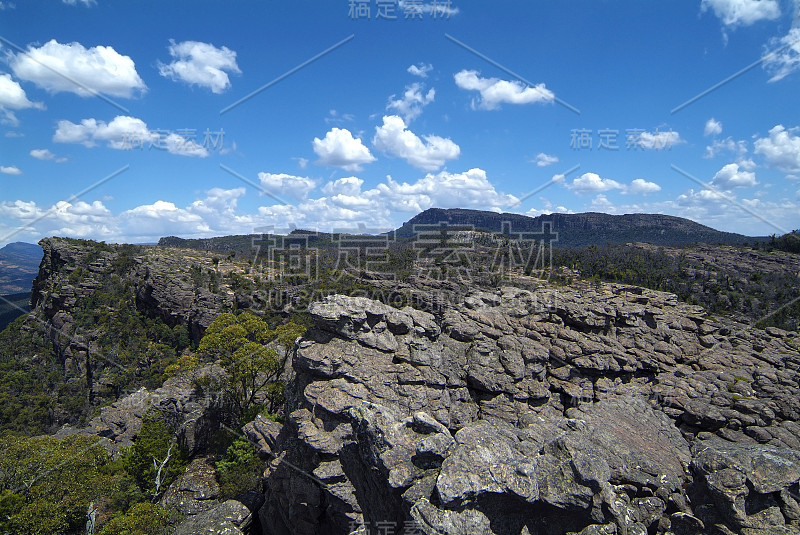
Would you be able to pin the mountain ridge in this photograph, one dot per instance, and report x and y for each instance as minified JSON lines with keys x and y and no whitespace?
{"x":569,"y":230}
{"x":582,"y":229}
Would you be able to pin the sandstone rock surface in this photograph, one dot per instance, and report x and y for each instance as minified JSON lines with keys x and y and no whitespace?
{"x":613,"y":409}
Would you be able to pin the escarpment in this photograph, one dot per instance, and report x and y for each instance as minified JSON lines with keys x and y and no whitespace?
{"x":610,"y":409}
{"x":531,"y":408}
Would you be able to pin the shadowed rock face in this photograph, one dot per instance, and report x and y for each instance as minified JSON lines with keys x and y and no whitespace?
{"x":158,"y":288}
{"x":610,"y":410}
{"x":193,"y":413}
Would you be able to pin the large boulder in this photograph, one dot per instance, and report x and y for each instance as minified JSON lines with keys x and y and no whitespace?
{"x":746,"y":486}
{"x":228,"y":518}
{"x":195,"y":491}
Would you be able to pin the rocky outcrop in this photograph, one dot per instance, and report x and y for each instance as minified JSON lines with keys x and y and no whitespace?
{"x":177,"y":300}
{"x":264,"y":435}
{"x":195,"y":491}
{"x":746,"y":487}
{"x":228,"y":518}
{"x":159,"y":280}
{"x":196,"y":494}
{"x":116,"y":313}
{"x":193,"y":412}
{"x":607,"y":409}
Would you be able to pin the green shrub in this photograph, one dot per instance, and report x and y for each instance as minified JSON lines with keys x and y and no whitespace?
{"x":240,"y":470}
{"x":154,"y":441}
{"x":141,"y":519}
{"x":46,"y":484}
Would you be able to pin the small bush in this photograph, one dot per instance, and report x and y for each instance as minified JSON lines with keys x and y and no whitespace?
{"x":240,"y":470}
{"x":142,"y":518}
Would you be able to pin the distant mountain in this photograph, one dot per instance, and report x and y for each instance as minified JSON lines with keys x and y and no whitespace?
{"x":246,"y":243}
{"x":19,"y":264}
{"x":573,"y":230}
{"x":578,"y":230}
{"x":218,"y":244}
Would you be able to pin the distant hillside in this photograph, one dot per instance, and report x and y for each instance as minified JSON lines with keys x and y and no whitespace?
{"x":245,"y":243}
{"x":219,"y":244}
{"x":19,"y":264}
{"x":578,"y":230}
{"x":573,"y":230}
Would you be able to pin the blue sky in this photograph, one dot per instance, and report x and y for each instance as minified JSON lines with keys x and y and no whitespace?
{"x":128,"y":121}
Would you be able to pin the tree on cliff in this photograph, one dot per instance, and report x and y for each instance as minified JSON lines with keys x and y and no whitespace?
{"x":254,"y":367}
{"x":155,"y":460}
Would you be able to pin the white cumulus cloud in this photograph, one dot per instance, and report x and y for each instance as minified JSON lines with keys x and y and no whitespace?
{"x":782,"y":56}
{"x":659,"y":140}
{"x":429,"y":153}
{"x":126,"y":133}
{"x":543,"y":160}
{"x":410,"y":105}
{"x":494,"y":91}
{"x":592,"y":182}
{"x":781,"y":149}
{"x":437,"y":8}
{"x":719,"y":146}
{"x":47,"y":155}
{"x":200,"y":64}
{"x":742,"y":12}
{"x":347,"y":206}
{"x":420,"y":69}
{"x":734,"y":175}
{"x":350,"y":186}
{"x":10,"y":170}
{"x":600,"y":203}
{"x":214,"y":215}
{"x":13,"y":97}
{"x":340,"y":149}
{"x":470,"y":189}
{"x":76,"y":218}
{"x":297,"y":187}
{"x":73,"y":68}
{"x":713,"y":127}
{"x":640,"y":186}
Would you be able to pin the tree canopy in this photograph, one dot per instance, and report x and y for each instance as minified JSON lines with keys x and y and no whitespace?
{"x":244,"y":345}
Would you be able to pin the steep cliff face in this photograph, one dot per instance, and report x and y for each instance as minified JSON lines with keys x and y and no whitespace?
{"x":117,"y":315}
{"x":161,"y":291}
{"x":607,"y":409}
{"x":72,"y":270}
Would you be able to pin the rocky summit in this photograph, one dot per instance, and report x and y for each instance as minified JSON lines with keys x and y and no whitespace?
{"x":530,"y":408}
{"x":599,"y":410}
